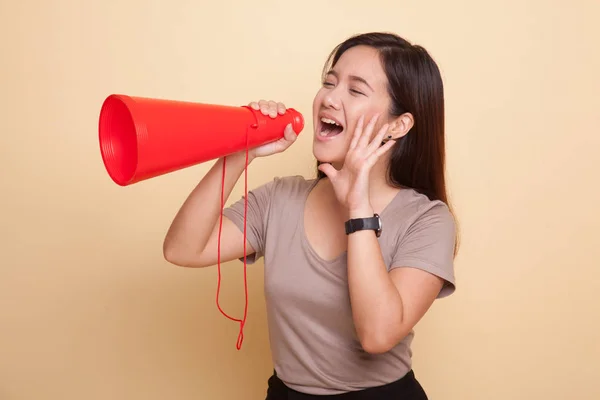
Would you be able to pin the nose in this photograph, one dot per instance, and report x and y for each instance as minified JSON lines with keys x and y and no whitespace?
{"x":331,"y":101}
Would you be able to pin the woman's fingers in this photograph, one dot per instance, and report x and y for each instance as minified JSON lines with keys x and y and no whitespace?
{"x":376,"y":142}
{"x":362,"y":133}
{"x":264,"y":107}
{"x":269,"y":107}
{"x":281,"y":108}
{"x":328,"y":170}
{"x":289,"y":137}
{"x":381,"y":150}
{"x":366,"y":135}
{"x":272,"y":107}
{"x":289,"y":134}
{"x":357,"y":132}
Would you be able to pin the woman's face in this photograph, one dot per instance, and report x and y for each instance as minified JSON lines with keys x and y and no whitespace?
{"x":355,"y":87}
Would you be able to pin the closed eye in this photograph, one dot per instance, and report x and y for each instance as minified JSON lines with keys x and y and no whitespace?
{"x":354,"y":91}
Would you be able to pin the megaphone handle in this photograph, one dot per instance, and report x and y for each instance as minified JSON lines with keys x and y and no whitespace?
{"x":274,"y":127}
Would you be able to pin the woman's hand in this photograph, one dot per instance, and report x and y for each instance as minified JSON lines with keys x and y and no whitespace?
{"x":351,"y":183}
{"x":272,"y":109}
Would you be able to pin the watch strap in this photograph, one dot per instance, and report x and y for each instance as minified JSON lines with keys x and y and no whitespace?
{"x":361,"y":224}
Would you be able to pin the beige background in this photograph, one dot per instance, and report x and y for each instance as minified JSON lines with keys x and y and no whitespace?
{"x":90,"y":310}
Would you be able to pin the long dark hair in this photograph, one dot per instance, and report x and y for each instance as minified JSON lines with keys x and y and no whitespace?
{"x":417,"y":160}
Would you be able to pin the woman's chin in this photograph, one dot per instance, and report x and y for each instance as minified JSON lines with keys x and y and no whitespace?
{"x":326,"y":155}
{"x":330,"y":150}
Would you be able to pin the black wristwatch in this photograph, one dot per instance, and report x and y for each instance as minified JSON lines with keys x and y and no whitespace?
{"x":361,"y":224}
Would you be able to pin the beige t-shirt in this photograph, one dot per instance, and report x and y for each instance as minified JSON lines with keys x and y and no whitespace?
{"x":314,"y":344}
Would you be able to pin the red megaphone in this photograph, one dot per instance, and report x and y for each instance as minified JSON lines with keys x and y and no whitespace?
{"x":141,"y":138}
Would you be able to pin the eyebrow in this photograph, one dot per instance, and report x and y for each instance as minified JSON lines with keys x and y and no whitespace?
{"x":352,"y":78}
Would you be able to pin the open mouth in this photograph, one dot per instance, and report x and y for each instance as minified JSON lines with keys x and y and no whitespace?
{"x":329,"y":127}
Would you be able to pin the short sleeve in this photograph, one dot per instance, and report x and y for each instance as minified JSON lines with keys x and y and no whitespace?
{"x":259,"y":201}
{"x":429,"y":244}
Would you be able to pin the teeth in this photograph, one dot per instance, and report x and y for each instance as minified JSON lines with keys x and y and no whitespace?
{"x":329,"y":121}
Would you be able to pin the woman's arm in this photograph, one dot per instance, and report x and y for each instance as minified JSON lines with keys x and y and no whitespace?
{"x":387,"y":305}
{"x":191,"y":240}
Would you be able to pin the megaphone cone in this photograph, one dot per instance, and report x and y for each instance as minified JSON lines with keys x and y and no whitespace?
{"x":141,"y":138}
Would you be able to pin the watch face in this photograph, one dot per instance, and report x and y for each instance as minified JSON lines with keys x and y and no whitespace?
{"x":380,"y":228}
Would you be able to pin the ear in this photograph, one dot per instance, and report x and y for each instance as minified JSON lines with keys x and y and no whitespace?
{"x":401,"y":126}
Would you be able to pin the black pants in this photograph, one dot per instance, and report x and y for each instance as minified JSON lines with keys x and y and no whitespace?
{"x":406,"y":388}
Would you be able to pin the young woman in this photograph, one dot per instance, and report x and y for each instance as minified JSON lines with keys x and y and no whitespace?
{"x":355,"y":257}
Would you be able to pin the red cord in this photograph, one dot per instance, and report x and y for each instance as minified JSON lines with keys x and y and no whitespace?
{"x":242,"y":321}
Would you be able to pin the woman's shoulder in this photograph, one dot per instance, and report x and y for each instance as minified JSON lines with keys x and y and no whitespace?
{"x":289,"y":185}
{"x":294,"y":180}
{"x":423,"y":236}
{"x":284,"y":191}
{"x":411,"y":206}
